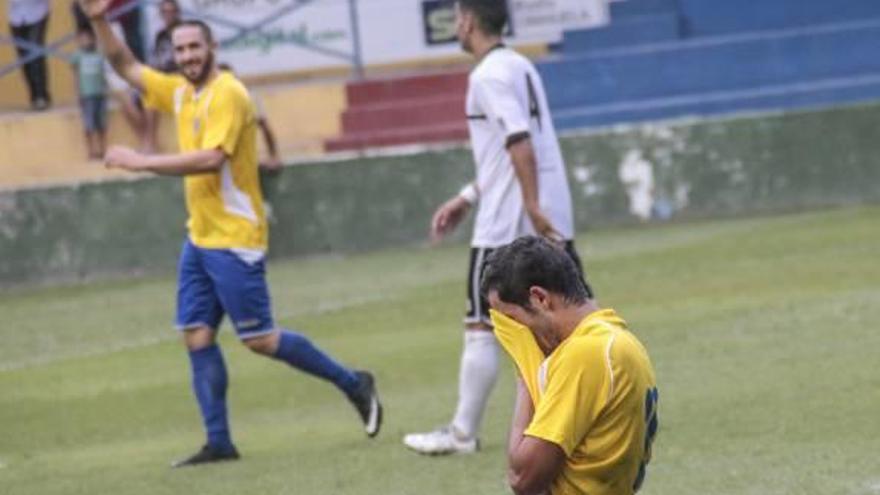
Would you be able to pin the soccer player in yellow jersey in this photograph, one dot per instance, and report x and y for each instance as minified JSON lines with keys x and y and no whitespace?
{"x":221,"y":269}
{"x":586,"y":409}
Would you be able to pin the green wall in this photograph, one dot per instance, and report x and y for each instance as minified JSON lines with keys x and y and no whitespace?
{"x":709,"y":168}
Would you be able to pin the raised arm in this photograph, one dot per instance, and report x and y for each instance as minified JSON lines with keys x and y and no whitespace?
{"x":117,"y":53}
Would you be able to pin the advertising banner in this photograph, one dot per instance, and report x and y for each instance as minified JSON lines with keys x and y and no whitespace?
{"x":583,"y":14}
{"x":260,"y":37}
{"x":288,"y":35}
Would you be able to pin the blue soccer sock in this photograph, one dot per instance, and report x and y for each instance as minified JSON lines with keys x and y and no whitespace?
{"x":209,"y":382}
{"x":296,"y":350}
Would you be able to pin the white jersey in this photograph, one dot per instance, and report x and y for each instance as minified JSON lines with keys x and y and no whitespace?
{"x":506,"y":100}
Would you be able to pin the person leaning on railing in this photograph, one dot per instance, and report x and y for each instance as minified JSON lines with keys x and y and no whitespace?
{"x":27,"y":22}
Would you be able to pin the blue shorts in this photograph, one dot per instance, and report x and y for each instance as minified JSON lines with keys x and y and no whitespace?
{"x":214,"y":282}
{"x":93,"y":110}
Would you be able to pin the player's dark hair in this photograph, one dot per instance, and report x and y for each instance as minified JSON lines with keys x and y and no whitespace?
{"x":532,"y":261}
{"x":206,"y":29}
{"x":491,"y":15}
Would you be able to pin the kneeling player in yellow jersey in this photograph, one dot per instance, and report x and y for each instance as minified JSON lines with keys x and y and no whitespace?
{"x":586,"y":409}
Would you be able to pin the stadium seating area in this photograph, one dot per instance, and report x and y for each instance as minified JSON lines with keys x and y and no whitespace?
{"x":660,"y":59}
{"x":657,"y":59}
{"x":665,"y":59}
{"x":416,"y":109}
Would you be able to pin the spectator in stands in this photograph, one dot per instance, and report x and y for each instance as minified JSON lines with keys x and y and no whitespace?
{"x":162,"y":59}
{"x":82,"y":22}
{"x":128,"y":14}
{"x":130,"y":21}
{"x":163,"y":51}
{"x":129,"y":17}
{"x":92,"y":87}
{"x":27,"y":21}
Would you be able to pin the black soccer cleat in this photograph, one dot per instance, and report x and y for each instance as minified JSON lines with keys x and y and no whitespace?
{"x":366,"y":400}
{"x":206,"y":455}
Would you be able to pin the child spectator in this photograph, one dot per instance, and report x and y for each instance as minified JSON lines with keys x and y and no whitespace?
{"x":92,"y":86}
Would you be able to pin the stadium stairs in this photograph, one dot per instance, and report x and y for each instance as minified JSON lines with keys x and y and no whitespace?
{"x":426,"y":108}
{"x":657,"y":59}
{"x":661,"y":59}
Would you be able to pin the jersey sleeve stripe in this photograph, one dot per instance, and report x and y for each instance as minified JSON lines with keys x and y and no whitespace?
{"x":610,"y":367}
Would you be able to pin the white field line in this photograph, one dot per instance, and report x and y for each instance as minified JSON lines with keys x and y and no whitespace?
{"x":322,"y":308}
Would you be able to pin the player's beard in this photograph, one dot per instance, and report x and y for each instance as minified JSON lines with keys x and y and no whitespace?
{"x":204,"y":73}
{"x":465,"y":45}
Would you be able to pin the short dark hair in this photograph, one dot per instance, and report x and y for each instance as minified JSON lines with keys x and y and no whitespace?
{"x":206,"y":29}
{"x":533,"y":261}
{"x":491,"y":15}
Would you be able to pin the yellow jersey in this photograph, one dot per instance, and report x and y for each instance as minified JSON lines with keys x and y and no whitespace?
{"x":225,"y":207}
{"x":595,"y":396}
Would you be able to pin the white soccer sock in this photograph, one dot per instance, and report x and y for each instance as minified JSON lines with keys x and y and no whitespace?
{"x":477,"y":376}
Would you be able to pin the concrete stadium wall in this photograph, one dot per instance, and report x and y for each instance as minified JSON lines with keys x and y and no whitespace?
{"x":745,"y":165}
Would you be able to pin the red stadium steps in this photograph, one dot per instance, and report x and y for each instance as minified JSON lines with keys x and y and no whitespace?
{"x":407,"y":88}
{"x":409,"y":110}
{"x":421,"y":112}
{"x":399,"y":137}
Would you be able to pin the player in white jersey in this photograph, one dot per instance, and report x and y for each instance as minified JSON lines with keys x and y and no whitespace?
{"x":521,"y":188}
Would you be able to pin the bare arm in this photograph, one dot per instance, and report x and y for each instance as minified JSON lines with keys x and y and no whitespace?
{"x":524,"y":163}
{"x":447,"y":217}
{"x":533,"y":463}
{"x":188,"y":163}
{"x":117,"y":53}
{"x":269,"y":138}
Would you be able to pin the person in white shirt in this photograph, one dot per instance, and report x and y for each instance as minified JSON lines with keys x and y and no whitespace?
{"x":27,"y":21}
{"x":521,"y":189}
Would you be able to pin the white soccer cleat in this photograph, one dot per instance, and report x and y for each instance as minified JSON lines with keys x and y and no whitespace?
{"x":442,"y":441}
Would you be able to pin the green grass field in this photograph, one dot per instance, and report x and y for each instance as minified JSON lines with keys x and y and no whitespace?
{"x":764,"y":334}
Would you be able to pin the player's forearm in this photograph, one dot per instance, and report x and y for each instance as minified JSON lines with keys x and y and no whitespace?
{"x":525,"y":165}
{"x":269,"y":138}
{"x":524,"y":479}
{"x":533,"y":464}
{"x":117,"y":53}
{"x":190,"y":163}
{"x":522,"y":415}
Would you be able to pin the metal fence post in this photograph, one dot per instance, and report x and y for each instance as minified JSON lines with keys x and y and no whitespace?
{"x":357,"y":56}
